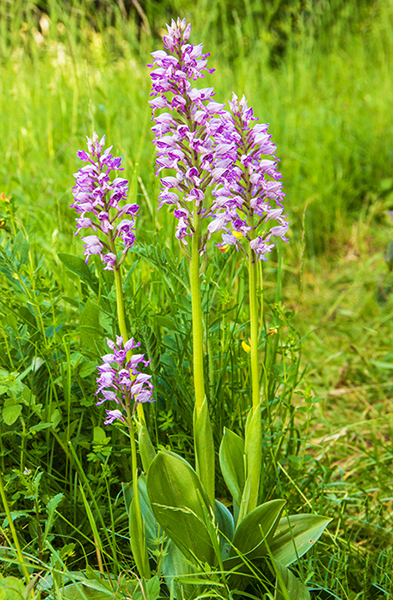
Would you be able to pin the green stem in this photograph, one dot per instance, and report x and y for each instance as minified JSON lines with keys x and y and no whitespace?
{"x":143,"y":566}
{"x":14,"y":534}
{"x":252,"y":268}
{"x":197,"y":325}
{"x":121,"y":316}
{"x":203,"y":434}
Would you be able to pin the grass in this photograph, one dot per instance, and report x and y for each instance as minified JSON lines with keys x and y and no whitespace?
{"x":328,"y":105}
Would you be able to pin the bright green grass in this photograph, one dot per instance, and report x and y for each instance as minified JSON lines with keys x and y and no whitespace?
{"x":329,"y":106}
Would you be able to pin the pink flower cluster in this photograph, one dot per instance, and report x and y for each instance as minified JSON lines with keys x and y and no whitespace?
{"x":184,"y":135}
{"x":205,"y":146}
{"x":121,"y":382}
{"x":246,"y":191}
{"x":99,"y":202}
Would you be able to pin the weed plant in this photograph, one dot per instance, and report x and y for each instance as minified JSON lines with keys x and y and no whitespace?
{"x":327,"y":441}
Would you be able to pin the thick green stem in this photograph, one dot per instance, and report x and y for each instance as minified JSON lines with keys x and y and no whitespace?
{"x":203,"y":434}
{"x":197,"y":324}
{"x":121,"y":316}
{"x":253,"y":437}
{"x":254,"y":329}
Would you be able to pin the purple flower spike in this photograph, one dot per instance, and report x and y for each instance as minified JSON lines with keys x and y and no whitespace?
{"x":184,"y":134}
{"x":120,"y":380}
{"x":97,"y":200}
{"x":248,"y":184}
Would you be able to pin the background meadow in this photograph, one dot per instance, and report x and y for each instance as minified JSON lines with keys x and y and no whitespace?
{"x":320,"y":72}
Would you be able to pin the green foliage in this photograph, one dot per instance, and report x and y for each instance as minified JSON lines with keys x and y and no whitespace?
{"x":11,"y":588}
{"x":295,"y":535}
{"x":288,"y":586}
{"x":257,"y":529}
{"x":204,"y":449}
{"x":180,"y":505}
{"x":232,"y":463}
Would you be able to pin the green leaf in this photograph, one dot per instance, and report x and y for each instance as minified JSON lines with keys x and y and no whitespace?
{"x":15,"y":514}
{"x":138,"y":540}
{"x":100,"y":437}
{"x":77,"y":265}
{"x":257,"y":526}
{"x":51,"y":509}
{"x":22,"y":246}
{"x":295,"y":535}
{"x":226,"y":528}
{"x":151,"y":526}
{"x":179,"y":504}
{"x":175,"y":565}
{"x":204,"y":449}
{"x":288,"y":587}
{"x":12,"y":588}
{"x":11,"y":413}
{"x":232,"y":463}
{"x":86,"y":591}
{"x":253,"y":451}
{"x":40,"y":426}
{"x":89,"y":326}
{"x":153,"y":588}
{"x":146,"y":448}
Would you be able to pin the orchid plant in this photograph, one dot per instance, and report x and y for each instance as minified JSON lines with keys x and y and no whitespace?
{"x":223,"y":178}
{"x":100,"y":203}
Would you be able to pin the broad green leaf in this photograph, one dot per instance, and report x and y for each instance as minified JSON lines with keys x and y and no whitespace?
{"x":288,"y":586}
{"x":295,"y":535}
{"x":226,"y":528}
{"x":146,"y":448}
{"x":176,"y":565}
{"x":89,"y":326}
{"x":253,"y":451}
{"x":204,"y":449}
{"x":153,"y":588}
{"x":138,"y":541}
{"x":12,"y":588}
{"x":232,"y":463}
{"x":77,"y":265}
{"x":257,"y":526}
{"x":99,"y":436}
{"x":179,"y":504}
{"x":151,"y":525}
{"x":11,"y":413}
